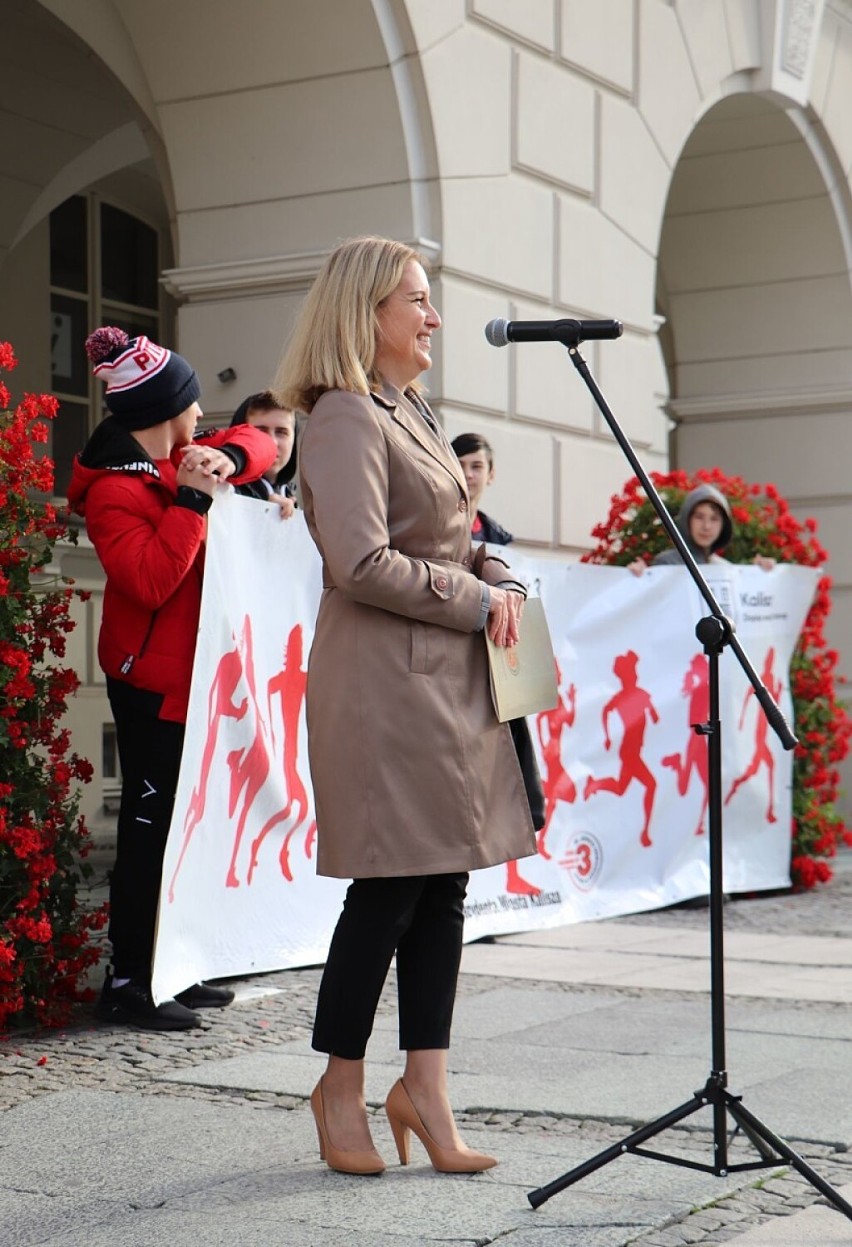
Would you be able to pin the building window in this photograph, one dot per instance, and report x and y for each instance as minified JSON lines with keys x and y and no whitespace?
{"x":129,"y":259}
{"x":104,"y":270}
{"x":69,"y":245}
{"x":109,"y":752}
{"x":110,"y":769}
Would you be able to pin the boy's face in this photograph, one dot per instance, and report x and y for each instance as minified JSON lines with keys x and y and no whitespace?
{"x":705,"y":524}
{"x":185,"y":424}
{"x":281,"y":427}
{"x":478,"y":473}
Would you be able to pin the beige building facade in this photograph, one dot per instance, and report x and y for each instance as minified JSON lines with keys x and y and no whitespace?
{"x":681,"y":165}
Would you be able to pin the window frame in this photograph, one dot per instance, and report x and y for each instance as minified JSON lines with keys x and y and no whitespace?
{"x":99,"y":309}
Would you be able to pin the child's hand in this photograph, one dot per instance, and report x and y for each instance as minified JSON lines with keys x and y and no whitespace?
{"x":286,"y":505}
{"x":201,"y":460}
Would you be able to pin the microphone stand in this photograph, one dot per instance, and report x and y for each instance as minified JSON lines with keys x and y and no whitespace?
{"x":715,"y":632}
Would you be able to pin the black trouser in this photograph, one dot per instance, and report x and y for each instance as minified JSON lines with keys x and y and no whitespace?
{"x":421,"y":919}
{"x":149,"y":749}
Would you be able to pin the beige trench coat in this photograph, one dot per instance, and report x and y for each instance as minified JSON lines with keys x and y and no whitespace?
{"x":412,"y":773}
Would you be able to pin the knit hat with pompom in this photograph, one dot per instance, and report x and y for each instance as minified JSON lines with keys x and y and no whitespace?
{"x":145,"y":383}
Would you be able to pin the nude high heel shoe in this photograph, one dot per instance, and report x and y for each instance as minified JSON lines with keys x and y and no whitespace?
{"x":344,"y":1162}
{"x":404,"y":1118}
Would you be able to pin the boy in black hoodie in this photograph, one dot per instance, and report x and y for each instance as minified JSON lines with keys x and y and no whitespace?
{"x":264,"y":411}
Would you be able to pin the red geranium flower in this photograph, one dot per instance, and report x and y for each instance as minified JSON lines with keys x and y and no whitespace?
{"x":45,"y":946}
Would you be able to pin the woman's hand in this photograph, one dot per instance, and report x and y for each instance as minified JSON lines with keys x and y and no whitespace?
{"x":764,"y":561}
{"x":504,"y":616}
{"x":637,"y":567}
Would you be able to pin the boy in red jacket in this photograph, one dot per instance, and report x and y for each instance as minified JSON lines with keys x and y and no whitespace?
{"x":145,"y":485}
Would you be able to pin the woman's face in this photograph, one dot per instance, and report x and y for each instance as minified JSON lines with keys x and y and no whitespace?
{"x":478,"y":473}
{"x":705,"y":524}
{"x":281,"y":427}
{"x":406,"y":320}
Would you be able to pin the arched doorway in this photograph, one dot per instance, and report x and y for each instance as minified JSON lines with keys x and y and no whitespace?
{"x":754,"y":287}
{"x":85,"y":233}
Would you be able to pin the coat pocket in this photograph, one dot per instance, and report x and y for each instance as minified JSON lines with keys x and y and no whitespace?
{"x":419,"y":657}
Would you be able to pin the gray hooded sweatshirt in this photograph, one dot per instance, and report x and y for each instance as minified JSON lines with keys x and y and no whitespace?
{"x":703,"y":493}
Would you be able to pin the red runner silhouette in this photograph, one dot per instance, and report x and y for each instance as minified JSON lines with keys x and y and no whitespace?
{"x":696,"y":686}
{"x":289,"y":684}
{"x":633,"y":705}
{"x":556,"y":782}
{"x":220,"y":705}
{"x":762,"y":753}
{"x":249,"y":767}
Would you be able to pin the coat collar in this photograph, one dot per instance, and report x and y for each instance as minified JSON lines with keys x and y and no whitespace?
{"x":403,"y":412}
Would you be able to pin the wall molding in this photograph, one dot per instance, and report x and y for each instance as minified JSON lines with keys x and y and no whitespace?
{"x":714,"y":407}
{"x":240,"y":279}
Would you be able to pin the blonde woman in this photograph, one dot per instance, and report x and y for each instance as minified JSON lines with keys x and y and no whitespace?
{"x":416,"y":783}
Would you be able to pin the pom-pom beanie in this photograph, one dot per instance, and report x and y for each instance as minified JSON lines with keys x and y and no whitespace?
{"x":145,"y":383}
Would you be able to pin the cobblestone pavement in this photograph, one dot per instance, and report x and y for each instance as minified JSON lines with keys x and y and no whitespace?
{"x":105,"y":1058}
{"x":826,"y":910}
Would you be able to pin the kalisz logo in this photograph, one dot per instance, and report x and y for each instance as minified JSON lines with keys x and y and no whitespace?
{"x":583,"y":860}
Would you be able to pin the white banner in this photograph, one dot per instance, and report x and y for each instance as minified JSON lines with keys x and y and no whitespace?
{"x":624,"y":774}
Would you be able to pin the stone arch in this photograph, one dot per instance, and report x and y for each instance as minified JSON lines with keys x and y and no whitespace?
{"x":149,"y":52}
{"x":754,"y":257}
{"x":400,"y":42}
{"x":753,"y":265}
{"x":72,"y":124}
{"x":754,"y":284}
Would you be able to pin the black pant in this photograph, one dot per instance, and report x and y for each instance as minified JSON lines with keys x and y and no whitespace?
{"x":149,"y":749}
{"x":421,"y":918}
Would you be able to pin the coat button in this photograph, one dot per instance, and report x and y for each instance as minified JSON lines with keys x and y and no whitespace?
{"x":441,"y":582}
{"x":462,"y":504}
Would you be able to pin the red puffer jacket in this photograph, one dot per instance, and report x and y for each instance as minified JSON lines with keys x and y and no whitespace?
{"x":150,"y":542}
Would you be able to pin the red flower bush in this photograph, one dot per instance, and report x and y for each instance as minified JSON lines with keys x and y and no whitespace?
{"x":763,"y":524}
{"x":44,"y":934}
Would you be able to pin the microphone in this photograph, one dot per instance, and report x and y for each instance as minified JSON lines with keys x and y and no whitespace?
{"x":501,"y":332}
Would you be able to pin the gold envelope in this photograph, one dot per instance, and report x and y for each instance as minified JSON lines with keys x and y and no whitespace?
{"x":523,"y":676}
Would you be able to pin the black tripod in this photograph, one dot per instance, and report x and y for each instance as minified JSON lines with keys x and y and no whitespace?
{"x":714,"y":633}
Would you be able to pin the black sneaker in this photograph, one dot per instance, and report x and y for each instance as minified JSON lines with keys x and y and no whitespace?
{"x":133,"y":1003}
{"x":205,"y":996}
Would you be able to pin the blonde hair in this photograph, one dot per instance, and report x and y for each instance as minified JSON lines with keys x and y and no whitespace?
{"x":333,"y":345}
